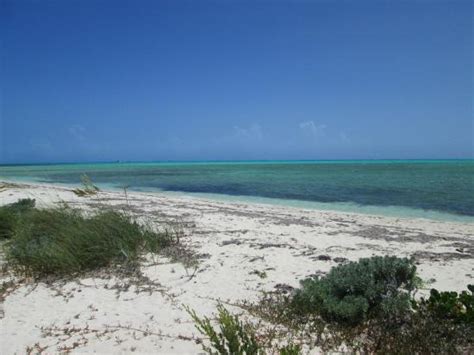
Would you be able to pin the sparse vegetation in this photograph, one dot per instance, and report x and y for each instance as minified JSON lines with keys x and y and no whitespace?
{"x":88,"y":187}
{"x":262,"y":274}
{"x":10,"y":214}
{"x":234,"y":336}
{"x":368,"y":307}
{"x":444,"y":321}
{"x":62,"y":241}
{"x":362,"y":307}
{"x":8,"y":185}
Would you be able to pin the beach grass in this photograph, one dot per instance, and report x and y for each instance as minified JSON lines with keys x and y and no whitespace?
{"x":11,"y":213}
{"x":88,"y":188}
{"x":63,"y":240}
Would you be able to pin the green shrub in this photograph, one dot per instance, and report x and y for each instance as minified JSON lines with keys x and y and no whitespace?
{"x":449,"y":305}
{"x":234,"y":336}
{"x":290,"y":349}
{"x":9,"y":215}
{"x":62,"y":241}
{"x":441,"y":324}
{"x":353,"y":292}
{"x":368,"y":307}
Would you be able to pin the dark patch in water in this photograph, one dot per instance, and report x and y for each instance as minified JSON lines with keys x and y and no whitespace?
{"x":441,"y":186}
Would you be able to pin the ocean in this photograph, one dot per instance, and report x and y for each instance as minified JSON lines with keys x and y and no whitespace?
{"x":441,"y":189}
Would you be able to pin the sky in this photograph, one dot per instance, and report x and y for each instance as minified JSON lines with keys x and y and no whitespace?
{"x":235,"y":80}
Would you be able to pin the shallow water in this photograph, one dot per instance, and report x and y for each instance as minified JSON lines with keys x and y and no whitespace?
{"x":432,"y":189}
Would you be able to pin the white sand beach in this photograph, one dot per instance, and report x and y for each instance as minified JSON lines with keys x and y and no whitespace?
{"x":242,"y":249}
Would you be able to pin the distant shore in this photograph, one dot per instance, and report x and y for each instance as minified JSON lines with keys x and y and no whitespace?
{"x":236,"y":244}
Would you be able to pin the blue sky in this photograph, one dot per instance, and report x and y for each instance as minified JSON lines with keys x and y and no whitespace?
{"x":216,"y":80}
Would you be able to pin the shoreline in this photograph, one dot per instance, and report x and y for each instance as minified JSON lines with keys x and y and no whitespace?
{"x":397,"y":212}
{"x":242,"y":240}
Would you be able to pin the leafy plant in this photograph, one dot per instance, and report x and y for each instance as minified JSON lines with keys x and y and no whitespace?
{"x":449,"y":305}
{"x":234,"y":337}
{"x":443,"y":324}
{"x":353,"y":292}
{"x":368,"y":307}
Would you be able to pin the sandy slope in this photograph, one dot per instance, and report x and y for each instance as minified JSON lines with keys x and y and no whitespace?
{"x":113,"y":315}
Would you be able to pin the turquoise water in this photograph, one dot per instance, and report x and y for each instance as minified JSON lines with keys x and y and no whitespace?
{"x":432,"y":189}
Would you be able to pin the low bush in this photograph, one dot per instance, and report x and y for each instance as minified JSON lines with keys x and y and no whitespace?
{"x":234,"y":336}
{"x":62,"y":241}
{"x":444,"y":323}
{"x":10,"y":214}
{"x":368,"y":307}
{"x":441,"y":324}
{"x":352,"y":293}
{"x":449,"y":305}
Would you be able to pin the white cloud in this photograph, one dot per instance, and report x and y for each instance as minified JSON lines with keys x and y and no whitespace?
{"x":315,"y":129}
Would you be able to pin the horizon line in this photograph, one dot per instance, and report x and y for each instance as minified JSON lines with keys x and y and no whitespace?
{"x":227,"y":161}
